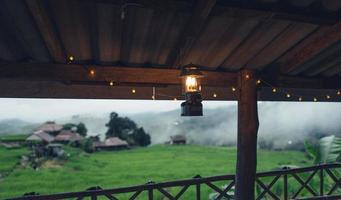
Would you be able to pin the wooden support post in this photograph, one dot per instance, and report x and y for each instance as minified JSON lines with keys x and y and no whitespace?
{"x":247,"y":136}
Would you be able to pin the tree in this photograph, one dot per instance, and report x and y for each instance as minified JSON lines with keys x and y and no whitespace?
{"x":119,"y":127}
{"x":126,"y":129}
{"x":140,"y":137}
{"x":68,"y":126}
{"x":81,"y":129}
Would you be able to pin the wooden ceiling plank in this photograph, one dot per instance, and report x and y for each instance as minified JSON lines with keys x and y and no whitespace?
{"x":333,"y":71}
{"x":310,"y":47}
{"x":288,"y":38}
{"x":47,"y":30}
{"x":191,"y":31}
{"x":254,"y":43}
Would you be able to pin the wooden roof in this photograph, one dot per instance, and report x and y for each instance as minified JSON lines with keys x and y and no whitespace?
{"x":140,"y":44}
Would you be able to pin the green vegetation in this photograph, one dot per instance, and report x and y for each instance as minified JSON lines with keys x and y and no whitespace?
{"x":131,"y":167}
{"x":9,"y":158}
{"x":12,"y":138}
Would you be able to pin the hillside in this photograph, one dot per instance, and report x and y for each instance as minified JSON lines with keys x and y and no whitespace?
{"x":138,"y":166}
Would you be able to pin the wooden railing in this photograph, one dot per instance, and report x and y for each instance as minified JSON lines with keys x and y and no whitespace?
{"x":314,"y":183}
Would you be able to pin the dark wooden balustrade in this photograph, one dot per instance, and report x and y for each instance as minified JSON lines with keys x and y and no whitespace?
{"x":294,"y":183}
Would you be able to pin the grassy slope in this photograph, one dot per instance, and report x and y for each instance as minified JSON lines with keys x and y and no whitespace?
{"x":125,"y":168}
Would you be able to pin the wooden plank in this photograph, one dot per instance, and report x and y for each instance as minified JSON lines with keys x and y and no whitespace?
{"x":310,"y":47}
{"x":194,"y":26}
{"x":247,"y":136}
{"x":121,"y":75}
{"x":47,"y":30}
{"x":256,"y":41}
{"x":294,"y":33}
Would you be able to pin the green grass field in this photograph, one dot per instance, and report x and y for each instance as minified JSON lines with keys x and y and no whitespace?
{"x":130,"y":167}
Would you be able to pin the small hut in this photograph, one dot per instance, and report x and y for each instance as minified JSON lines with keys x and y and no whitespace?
{"x":50,"y":127}
{"x":113,"y":143}
{"x":68,"y":136}
{"x":178,"y":139}
{"x":40,"y":137}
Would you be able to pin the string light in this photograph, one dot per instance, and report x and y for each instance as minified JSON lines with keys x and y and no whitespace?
{"x":288,"y":95}
{"x":175,"y":99}
{"x":259,"y":82}
{"x":153,"y":97}
{"x":338,"y":92}
{"x":315,"y":99}
{"x":233,"y":89}
{"x":133,"y":91}
{"x":247,"y":76}
{"x":92,"y":72}
{"x":71,"y":58}
{"x":300,"y":98}
{"x":214,"y":95}
{"x":111,"y":83}
{"x":274,"y":90}
{"x":328,"y":96}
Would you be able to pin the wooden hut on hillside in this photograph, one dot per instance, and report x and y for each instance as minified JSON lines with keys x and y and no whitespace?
{"x":40,"y":137}
{"x":68,"y":136}
{"x":178,"y":139}
{"x":50,"y":127}
{"x":113,"y":143}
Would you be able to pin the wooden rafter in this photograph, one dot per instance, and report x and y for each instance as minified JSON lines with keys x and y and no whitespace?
{"x":310,"y":47}
{"x":47,"y":30}
{"x":190,"y":33}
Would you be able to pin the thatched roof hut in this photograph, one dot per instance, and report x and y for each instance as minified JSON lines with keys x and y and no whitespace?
{"x":66,"y":136}
{"x":113,"y":143}
{"x":40,"y":136}
{"x":50,"y":127}
{"x":178,"y":139}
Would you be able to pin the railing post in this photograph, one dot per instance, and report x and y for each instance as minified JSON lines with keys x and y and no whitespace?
{"x":285,"y":179}
{"x":198,"y":191}
{"x":150,"y":194}
{"x":321,"y":182}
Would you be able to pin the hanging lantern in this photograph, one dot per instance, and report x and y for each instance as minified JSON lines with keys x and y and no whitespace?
{"x":191,"y":82}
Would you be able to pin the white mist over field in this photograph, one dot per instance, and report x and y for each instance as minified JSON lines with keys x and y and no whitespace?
{"x":282,"y":123}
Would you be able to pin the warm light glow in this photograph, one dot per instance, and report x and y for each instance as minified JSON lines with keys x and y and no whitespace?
{"x":233,"y":89}
{"x":92,"y":72}
{"x":274,"y":90}
{"x":214,"y":95}
{"x":71,"y":58}
{"x":111,"y":83}
{"x":300,"y":98}
{"x":259,"y":82}
{"x":175,"y":99}
{"x":288,"y":95}
{"x":247,"y":76}
{"x":153,"y":97}
{"x":328,"y":96}
{"x":315,"y":99}
{"x":192,"y":84}
{"x":338,"y":92}
{"x":133,"y":91}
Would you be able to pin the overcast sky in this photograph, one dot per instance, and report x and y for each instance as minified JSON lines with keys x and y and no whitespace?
{"x":51,"y":109}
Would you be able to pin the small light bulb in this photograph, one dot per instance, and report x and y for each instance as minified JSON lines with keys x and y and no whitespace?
{"x":300,"y":98}
{"x":288,"y":95}
{"x":153,"y":97}
{"x":274,"y":90}
{"x":92,"y":72}
{"x":175,"y":99}
{"x":233,"y":89}
{"x":133,"y":91}
{"x":315,"y":99}
{"x":111,"y":83}
{"x":247,"y":76}
{"x":71,"y":58}
{"x":338,"y":92}
{"x":328,"y":96}
{"x":259,"y":81}
{"x":214,"y":95}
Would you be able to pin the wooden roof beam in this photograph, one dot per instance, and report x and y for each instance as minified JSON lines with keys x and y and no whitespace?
{"x":189,"y":35}
{"x":310,"y":47}
{"x":47,"y":30}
